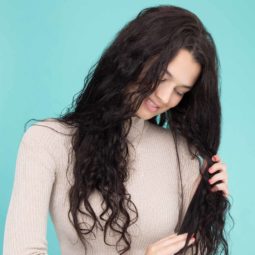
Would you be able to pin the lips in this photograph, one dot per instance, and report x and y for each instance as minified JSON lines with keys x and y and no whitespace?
{"x":152,"y":103}
{"x":151,"y":106}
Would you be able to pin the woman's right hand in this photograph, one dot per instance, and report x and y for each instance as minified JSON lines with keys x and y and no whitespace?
{"x":168,"y":245}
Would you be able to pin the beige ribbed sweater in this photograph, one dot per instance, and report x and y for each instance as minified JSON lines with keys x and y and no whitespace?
{"x":40,"y":186}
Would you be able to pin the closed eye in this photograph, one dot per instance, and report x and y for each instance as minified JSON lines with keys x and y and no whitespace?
{"x":179,"y":94}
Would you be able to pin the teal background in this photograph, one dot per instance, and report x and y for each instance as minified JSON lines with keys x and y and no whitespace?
{"x":47,"y":47}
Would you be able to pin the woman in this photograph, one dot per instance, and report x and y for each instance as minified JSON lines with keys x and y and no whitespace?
{"x":139,"y":149}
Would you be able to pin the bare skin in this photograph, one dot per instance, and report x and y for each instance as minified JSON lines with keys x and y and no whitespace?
{"x":168,"y":245}
{"x":180,"y":77}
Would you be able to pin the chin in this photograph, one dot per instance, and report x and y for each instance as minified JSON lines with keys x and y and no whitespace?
{"x":146,"y":115}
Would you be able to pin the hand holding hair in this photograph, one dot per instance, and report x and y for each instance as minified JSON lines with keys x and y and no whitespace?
{"x":220,"y":179}
{"x":169,"y":245}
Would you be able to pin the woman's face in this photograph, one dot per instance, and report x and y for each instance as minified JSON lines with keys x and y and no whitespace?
{"x":182,"y":73}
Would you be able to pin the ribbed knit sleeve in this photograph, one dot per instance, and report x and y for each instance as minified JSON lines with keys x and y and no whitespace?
{"x":26,"y":222}
{"x":189,"y":172}
{"x":190,"y":177}
{"x":41,"y":187}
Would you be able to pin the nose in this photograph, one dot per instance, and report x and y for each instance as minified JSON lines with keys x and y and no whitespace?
{"x":163,"y":92}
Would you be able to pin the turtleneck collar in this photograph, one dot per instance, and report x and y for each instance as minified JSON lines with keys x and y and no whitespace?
{"x":136,"y":130}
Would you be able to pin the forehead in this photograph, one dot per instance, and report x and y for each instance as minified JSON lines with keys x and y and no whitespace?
{"x":184,"y":68}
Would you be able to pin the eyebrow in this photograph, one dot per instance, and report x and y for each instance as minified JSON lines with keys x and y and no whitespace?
{"x":183,"y":85}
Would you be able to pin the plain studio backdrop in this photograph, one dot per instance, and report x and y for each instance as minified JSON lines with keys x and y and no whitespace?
{"x":47,"y":47}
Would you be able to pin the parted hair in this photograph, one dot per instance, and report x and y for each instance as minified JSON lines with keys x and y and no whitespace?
{"x":137,"y":58}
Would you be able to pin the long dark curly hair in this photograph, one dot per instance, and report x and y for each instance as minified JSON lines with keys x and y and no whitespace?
{"x":101,"y":115}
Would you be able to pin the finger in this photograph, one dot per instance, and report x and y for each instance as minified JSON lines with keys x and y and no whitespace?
{"x":163,"y":244}
{"x":159,"y":242}
{"x":179,"y":238}
{"x":218,"y":166}
{"x":221,"y":176}
{"x":220,"y":187}
{"x":216,"y":157}
{"x":225,"y":192}
{"x":167,"y":237}
{"x":173,"y":238}
{"x":192,"y":239}
{"x":178,"y":245}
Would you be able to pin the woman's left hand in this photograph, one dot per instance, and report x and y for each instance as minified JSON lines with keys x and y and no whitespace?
{"x":220,"y":176}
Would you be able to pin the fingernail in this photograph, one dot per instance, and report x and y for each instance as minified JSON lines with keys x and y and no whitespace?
{"x":192,"y":239}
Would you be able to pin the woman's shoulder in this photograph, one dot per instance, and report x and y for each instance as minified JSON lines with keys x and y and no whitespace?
{"x":49,"y":127}
{"x":50,"y":134}
{"x":43,"y":127}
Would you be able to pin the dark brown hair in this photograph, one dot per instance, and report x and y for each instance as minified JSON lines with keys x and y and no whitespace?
{"x":147,"y":43}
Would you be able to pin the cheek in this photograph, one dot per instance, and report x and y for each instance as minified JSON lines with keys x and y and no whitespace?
{"x":177,"y":100}
{"x":173,"y":102}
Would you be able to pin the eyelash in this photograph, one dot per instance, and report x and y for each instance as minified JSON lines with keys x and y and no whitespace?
{"x":179,"y":94}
